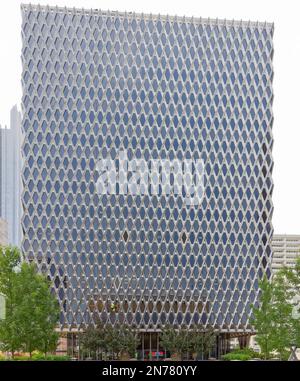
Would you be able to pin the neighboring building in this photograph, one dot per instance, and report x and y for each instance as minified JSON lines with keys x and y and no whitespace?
{"x":3,"y":242}
{"x":3,"y":233}
{"x":250,"y":342}
{"x":10,"y":177}
{"x":99,"y":83}
{"x":285,"y":249}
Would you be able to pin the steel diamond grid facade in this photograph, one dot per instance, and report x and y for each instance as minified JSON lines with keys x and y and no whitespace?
{"x":96,"y":83}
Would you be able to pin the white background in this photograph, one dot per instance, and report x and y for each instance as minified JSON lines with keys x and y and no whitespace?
{"x":285,"y":15}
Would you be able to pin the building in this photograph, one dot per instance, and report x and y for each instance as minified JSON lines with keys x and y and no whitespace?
{"x":101,"y":88}
{"x":285,"y":249}
{"x":10,"y":177}
{"x":3,"y":232}
{"x":3,"y":242}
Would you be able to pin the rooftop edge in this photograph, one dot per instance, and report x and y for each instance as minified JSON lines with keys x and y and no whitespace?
{"x":148,"y":16}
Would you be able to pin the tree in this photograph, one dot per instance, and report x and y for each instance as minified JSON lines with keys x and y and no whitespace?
{"x":32,"y":311}
{"x":9,"y":337}
{"x":37,"y":312}
{"x":273,"y":319}
{"x":168,"y":339}
{"x":49,"y":341}
{"x":120,"y":339}
{"x":128,"y":339}
{"x":88,"y":342}
{"x":209,"y":340}
{"x":92,"y":341}
{"x":112,"y":340}
{"x":203,"y":340}
{"x":282,"y":315}
{"x":184,"y":341}
{"x":177,"y":341}
{"x":263,"y":317}
{"x":295,"y":332}
{"x":10,"y":259}
{"x":293,"y":276}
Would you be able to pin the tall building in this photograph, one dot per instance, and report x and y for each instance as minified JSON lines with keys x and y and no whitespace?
{"x":3,"y":232}
{"x":101,"y":89}
{"x":10,"y":177}
{"x":285,"y":250}
{"x":3,"y":242}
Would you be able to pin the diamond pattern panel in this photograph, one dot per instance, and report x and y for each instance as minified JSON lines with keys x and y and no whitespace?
{"x":96,"y":83}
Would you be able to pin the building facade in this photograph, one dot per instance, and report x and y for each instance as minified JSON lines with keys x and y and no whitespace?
{"x":3,"y":242}
{"x":10,"y":177}
{"x":285,"y":250}
{"x":97,"y":84}
{"x":3,"y":233}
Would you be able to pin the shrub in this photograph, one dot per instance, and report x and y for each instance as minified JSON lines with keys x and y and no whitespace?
{"x":241,"y":354}
{"x":236,"y":356}
{"x":41,"y":357}
{"x":38,"y":357}
{"x":21,"y":358}
{"x":57,"y":358}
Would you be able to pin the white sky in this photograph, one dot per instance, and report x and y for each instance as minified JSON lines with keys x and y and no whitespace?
{"x":285,"y":15}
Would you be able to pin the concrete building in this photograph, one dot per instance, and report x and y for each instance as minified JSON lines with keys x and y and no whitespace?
{"x":10,"y":177}
{"x":285,"y":249}
{"x":3,"y":242}
{"x":3,"y":232}
{"x":97,"y":84}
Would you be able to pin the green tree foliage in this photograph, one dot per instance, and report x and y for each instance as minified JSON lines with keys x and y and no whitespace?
{"x":263,"y":318}
{"x":184,"y":341}
{"x":32,"y":311}
{"x":168,"y":339}
{"x":296,"y":332}
{"x":128,"y":339}
{"x":38,"y":306}
{"x":282,"y":330}
{"x":273,"y":319}
{"x":9,"y":335}
{"x":92,"y":341}
{"x":197,"y":340}
{"x":117,"y":340}
{"x":88,"y":342}
{"x":112,"y":341}
{"x":38,"y":311}
{"x":10,"y":259}
{"x":203,"y":339}
{"x":292,"y":275}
